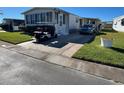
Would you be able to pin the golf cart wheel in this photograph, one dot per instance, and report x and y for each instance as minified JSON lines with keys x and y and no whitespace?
{"x":37,"y":40}
{"x":45,"y":38}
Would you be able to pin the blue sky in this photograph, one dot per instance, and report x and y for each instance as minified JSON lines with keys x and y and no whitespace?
{"x":104,"y":13}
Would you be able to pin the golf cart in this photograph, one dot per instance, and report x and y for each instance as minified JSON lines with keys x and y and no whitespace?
{"x":44,"y":33}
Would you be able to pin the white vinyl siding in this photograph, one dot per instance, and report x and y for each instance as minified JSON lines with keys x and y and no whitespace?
{"x":74,"y":22}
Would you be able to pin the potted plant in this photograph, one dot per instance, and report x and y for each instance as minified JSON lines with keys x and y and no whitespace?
{"x":106,"y":41}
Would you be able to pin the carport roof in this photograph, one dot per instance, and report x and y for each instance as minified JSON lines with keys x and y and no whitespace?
{"x":90,"y":18}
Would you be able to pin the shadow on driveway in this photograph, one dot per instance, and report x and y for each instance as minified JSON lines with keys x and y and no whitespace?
{"x":61,"y":41}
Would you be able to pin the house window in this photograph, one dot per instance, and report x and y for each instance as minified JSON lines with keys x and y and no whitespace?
{"x":28,"y":19}
{"x":36,"y":18}
{"x":56,"y":17}
{"x":50,"y":14}
{"x":122,"y":22}
{"x":47,"y":15}
{"x":39,"y":18}
{"x":63,"y":18}
{"x":27,"y":22}
{"x":43,"y":17}
{"x":60,"y":20}
{"x":33,"y":19}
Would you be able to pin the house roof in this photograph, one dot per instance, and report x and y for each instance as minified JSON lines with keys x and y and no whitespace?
{"x":12,"y":19}
{"x":107,"y":22}
{"x":75,"y":15}
{"x":56,"y":9}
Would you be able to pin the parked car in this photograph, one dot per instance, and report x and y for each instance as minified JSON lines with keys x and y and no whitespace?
{"x":45,"y":33}
{"x":87,"y":29}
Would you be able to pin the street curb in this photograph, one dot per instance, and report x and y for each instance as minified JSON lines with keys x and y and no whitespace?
{"x":108,"y":72}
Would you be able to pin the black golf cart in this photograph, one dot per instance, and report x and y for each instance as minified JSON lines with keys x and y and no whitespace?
{"x":44,"y":33}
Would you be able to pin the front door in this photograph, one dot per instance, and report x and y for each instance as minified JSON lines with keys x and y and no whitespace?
{"x":61,"y":27}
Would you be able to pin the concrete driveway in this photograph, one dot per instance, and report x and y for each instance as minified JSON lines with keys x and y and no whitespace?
{"x":62,"y":41}
{"x":65,"y":45}
{"x":17,"y":68}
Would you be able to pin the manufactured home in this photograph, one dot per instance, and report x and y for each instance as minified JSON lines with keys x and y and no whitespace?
{"x":9,"y":24}
{"x":48,"y":16}
{"x":118,"y":24}
{"x":107,"y":25}
{"x":63,"y":21}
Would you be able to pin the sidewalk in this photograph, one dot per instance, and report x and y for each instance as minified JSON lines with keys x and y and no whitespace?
{"x":38,"y":47}
{"x":6,"y":45}
{"x":68,"y":50}
{"x":100,"y":70}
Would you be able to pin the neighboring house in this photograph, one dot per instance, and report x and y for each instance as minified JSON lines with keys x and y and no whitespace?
{"x":9,"y":24}
{"x":94,"y":21}
{"x":48,"y":16}
{"x":91,"y":21}
{"x":107,"y":25}
{"x":118,"y":23}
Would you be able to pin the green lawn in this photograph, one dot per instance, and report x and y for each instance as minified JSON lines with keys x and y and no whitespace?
{"x":111,"y":56}
{"x":14,"y":37}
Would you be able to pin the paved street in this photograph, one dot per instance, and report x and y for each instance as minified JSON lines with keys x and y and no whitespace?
{"x":16,"y":68}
